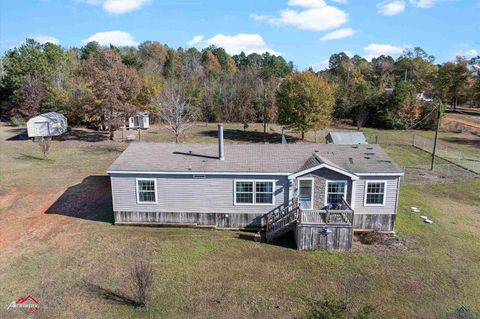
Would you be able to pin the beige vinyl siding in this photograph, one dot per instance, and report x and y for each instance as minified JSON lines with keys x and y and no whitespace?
{"x":183,"y":193}
{"x":390,"y":200}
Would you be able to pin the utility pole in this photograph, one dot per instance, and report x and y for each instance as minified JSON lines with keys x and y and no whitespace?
{"x":439,"y":112}
{"x":264,"y":112}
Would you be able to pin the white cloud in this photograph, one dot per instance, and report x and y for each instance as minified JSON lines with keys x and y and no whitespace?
{"x":119,"y":38}
{"x":338,"y":34}
{"x":234,"y":44}
{"x":307,"y":3}
{"x":391,"y":8}
{"x":259,"y":17}
{"x":374,"y":50}
{"x":123,"y":6}
{"x":319,"y":66}
{"x":340,"y":1}
{"x":314,"y":15}
{"x":117,"y":6}
{"x":423,"y":3}
{"x":41,"y":38}
{"x":468,"y":53}
{"x":195,"y":40}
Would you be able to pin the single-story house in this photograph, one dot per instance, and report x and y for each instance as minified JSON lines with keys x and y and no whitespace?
{"x":348,"y":138}
{"x":256,"y":186}
{"x":47,"y":125}
{"x":139,"y":121}
{"x":422,"y":97}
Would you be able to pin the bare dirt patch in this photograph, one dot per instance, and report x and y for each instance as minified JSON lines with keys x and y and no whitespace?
{"x":383,"y":243}
{"x":455,"y":123}
{"x":40,"y":216}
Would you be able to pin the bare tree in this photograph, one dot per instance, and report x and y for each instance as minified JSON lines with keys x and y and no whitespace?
{"x":360,"y":115}
{"x":142,"y":282}
{"x":44,"y":146}
{"x":176,"y":111}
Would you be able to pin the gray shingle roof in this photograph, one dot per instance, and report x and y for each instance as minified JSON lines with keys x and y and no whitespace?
{"x":252,"y":158}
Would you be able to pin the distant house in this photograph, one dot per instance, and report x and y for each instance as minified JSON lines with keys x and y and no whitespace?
{"x":139,"y":121}
{"x":312,"y":189}
{"x":346,"y":138}
{"x":47,"y":125}
{"x":388,"y":91}
{"x":422,"y":97}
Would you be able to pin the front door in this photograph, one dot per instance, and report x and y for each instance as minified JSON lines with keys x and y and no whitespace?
{"x":305,"y":193}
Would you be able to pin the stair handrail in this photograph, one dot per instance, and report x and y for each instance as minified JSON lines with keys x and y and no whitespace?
{"x":279,"y":218}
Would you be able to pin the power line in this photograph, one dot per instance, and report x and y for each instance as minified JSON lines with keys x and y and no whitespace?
{"x":418,"y":122}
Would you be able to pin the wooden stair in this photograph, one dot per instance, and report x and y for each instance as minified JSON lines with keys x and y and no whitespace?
{"x":280,"y":221}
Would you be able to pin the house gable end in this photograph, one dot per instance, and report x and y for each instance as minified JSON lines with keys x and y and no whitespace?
{"x":353,"y":177}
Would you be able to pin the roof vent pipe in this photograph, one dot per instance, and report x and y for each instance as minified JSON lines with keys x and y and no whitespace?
{"x":221,"y":155}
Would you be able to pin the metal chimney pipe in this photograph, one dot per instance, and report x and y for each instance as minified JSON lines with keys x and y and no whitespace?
{"x":221,"y":155}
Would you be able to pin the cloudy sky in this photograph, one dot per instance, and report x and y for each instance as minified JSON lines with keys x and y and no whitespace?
{"x":304,"y":31}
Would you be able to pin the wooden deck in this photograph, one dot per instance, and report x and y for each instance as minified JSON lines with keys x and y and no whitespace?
{"x":314,"y":229}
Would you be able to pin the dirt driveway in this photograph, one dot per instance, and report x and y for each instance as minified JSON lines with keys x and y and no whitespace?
{"x":40,"y":198}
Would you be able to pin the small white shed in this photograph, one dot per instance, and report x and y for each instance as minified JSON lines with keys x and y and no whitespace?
{"x":348,"y":138}
{"x":139,"y":121}
{"x":47,"y":124}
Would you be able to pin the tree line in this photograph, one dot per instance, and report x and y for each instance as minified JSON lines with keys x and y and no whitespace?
{"x":101,"y":86}
{"x":390,"y":93}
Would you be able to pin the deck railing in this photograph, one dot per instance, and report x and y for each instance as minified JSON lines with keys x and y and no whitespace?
{"x":341,"y":215}
{"x":326,"y":217}
{"x":283,"y":219}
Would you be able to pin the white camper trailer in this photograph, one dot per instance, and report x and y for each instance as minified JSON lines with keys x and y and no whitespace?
{"x":139,"y":121}
{"x":47,"y":125}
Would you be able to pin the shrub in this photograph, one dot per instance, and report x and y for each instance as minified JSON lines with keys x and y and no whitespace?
{"x":463,"y":312}
{"x":17,"y":120}
{"x":372,"y":238}
{"x":338,"y":310}
{"x":142,"y":282}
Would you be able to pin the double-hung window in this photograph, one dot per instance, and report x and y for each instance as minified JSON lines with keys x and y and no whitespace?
{"x":375,"y":193}
{"x":264,"y":192}
{"x":254,"y":192}
{"x":146,"y":190}
{"x":335,"y":191}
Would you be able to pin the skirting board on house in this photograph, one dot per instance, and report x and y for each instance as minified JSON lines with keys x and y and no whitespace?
{"x":218,"y":220}
{"x":381,"y":222}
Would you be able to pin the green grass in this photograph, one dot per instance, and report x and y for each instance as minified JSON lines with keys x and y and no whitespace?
{"x":211,"y":274}
{"x":455,"y":142}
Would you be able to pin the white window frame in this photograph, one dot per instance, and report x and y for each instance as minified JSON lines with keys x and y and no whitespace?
{"x":138,"y":192}
{"x":313,"y":190}
{"x":384,"y":193}
{"x":345,"y":189}
{"x":254,"y":181}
